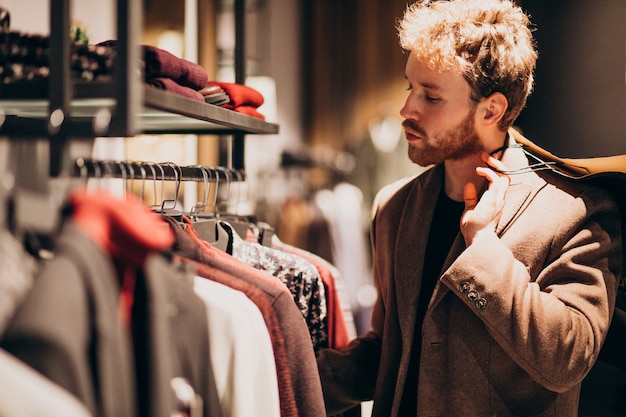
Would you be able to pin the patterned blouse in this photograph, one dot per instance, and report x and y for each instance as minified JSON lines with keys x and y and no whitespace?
{"x":301,"y":278}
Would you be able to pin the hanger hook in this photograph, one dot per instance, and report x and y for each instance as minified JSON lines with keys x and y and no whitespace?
{"x":143,"y":180}
{"x":131,"y":174}
{"x":176,"y":188}
{"x":120,"y":165}
{"x":227,"y":175}
{"x":205,"y":197}
{"x":217,"y":188}
{"x":154,"y":180}
{"x":162,"y":185}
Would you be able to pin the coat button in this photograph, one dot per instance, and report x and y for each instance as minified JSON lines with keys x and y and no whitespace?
{"x":464,"y":287}
{"x":472,"y":295}
{"x":481,"y":303}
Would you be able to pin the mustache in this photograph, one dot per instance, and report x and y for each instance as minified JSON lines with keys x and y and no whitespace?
{"x":413,"y":126}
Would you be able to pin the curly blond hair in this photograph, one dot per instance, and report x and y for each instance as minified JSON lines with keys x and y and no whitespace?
{"x":490,"y":41}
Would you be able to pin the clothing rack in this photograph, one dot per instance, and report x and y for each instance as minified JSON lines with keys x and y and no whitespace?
{"x":155,"y":171}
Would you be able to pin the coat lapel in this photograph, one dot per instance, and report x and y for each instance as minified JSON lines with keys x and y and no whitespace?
{"x":411,"y":243}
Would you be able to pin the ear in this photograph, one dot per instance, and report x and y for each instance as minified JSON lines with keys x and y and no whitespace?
{"x":493,"y":109}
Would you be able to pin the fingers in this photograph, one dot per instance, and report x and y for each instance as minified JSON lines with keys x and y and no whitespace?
{"x":483,"y":216}
{"x":493,"y":162}
{"x":493,"y":171}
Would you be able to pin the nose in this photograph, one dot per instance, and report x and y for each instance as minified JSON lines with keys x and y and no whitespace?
{"x":409,"y":110}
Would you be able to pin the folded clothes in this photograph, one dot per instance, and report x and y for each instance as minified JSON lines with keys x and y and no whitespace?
{"x":159,"y":63}
{"x":172,"y":86}
{"x":211,"y":89}
{"x":248,"y":110}
{"x":240,"y":95}
{"x":217,"y":99}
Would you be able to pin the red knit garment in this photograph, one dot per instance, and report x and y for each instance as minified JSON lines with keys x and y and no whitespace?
{"x":240,"y":94}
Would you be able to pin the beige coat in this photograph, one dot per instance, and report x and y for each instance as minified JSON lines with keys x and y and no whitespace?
{"x":513,"y":326}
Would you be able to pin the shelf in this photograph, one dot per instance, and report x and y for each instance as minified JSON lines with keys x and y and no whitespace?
{"x":162,"y":112}
{"x":184,"y":115}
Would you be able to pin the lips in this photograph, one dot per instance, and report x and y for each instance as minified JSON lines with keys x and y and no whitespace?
{"x":411,"y":131}
{"x":413,"y":136}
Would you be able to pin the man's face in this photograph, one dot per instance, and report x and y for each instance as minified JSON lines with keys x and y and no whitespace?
{"x":439,"y":115}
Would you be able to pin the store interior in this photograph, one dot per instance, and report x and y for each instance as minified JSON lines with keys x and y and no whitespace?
{"x":331,"y":74}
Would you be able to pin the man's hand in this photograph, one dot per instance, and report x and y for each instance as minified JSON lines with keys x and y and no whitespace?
{"x":482,"y":216}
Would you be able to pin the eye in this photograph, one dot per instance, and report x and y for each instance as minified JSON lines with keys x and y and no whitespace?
{"x":409,"y":87}
{"x":433,"y":99}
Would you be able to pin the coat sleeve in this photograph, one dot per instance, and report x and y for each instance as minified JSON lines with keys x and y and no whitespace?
{"x":545,"y":289}
{"x":349,"y":375}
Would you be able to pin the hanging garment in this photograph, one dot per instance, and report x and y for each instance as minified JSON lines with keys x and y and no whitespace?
{"x":340,"y":329}
{"x":241,"y":352}
{"x":301,"y":278}
{"x":288,"y":406}
{"x":110,"y":319}
{"x":17,"y":271}
{"x":300,"y":367}
{"x":342,"y":208}
{"x":67,"y":328}
{"x":20,"y":384}
{"x":190,"y":249}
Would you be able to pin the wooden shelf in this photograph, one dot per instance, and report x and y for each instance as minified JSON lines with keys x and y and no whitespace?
{"x":162,"y":112}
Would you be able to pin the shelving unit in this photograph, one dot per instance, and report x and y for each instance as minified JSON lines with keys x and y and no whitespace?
{"x":122,"y":106}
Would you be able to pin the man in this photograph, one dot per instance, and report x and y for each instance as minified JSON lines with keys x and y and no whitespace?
{"x":496,"y":277}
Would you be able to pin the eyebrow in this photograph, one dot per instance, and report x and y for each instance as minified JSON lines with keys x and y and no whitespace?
{"x":431,"y":86}
{"x":428,"y":85}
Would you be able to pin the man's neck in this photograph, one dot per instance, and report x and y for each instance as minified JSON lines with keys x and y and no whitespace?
{"x":459,"y":172}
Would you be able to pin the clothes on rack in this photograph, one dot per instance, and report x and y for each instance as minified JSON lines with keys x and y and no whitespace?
{"x":298,"y":378}
{"x":331,"y":222}
{"x":341,"y":328}
{"x":133,"y":314}
{"x":110,"y":319}
{"x":17,"y":271}
{"x":301,"y":278}
{"x":242,"y":356}
{"x":21,"y":384}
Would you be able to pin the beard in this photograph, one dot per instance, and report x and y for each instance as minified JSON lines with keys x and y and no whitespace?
{"x":455,"y":143}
